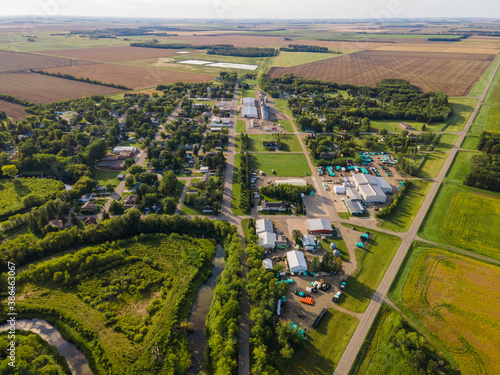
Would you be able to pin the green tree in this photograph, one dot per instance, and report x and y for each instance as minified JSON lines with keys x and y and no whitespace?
{"x":116,"y":208}
{"x":9,"y":171}
{"x":110,"y":188}
{"x":129,"y":181}
{"x":315,"y":264}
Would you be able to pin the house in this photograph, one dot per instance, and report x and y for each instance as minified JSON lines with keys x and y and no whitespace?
{"x":271,"y":144}
{"x":204,"y":170}
{"x":263,"y":225}
{"x":327,"y":155}
{"x":319,"y":227}
{"x":208,"y":209}
{"x":273,"y":206}
{"x":129,"y":199}
{"x":267,"y":240}
{"x":90,"y":220}
{"x":85,"y":198}
{"x":57,"y":223}
{"x":89,"y":207}
{"x":296,"y":261}
{"x":309,"y":243}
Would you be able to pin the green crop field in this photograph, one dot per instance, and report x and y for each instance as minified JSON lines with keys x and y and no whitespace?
{"x":432,"y":165}
{"x":446,"y":142}
{"x":373,"y":261}
{"x":493,"y":96}
{"x":127,"y":295}
{"x":460,"y":166}
{"x":493,"y":124}
{"x":479,"y":87}
{"x":289,"y":142}
{"x":12,"y":192}
{"x":288,"y":59}
{"x":402,"y":217}
{"x":455,"y":299}
{"x":464,"y":217}
{"x":106,"y":177}
{"x":284,"y":165}
{"x":325,"y":345}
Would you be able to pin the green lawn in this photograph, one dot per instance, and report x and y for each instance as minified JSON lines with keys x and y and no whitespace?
{"x":402,"y":217}
{"x":479,"y":87}
{"x":373,"y":261}
{"x":12,"y":192}
{"x":240,"y":126}
{"x":106,"y":177}
{"x":284,"y":165}
{"x":282,"y":106}
{"x":464,"y":217}
{"x":130,"y":144}
{"x":460,"y":166}
{"x":341,"y":247}
{"x":235,"y":197}
{"x":478,"y":126}
{"x":325,"y":345}
{"x":432,"y":165}
{"x":446,"y":142}
{"x":289,"y":142}
{"x":246,"y":230}
{"x":289,"y":59}
{"x":454,"y":300}
{"x":287,"y":126}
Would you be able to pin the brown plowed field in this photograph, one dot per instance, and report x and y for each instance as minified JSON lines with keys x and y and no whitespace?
{"x":14,"y":111}
{"x":113,"y":54}
{"x":11,"y":62}
{"x":43,"y":89}
{"x":238,"y":40}
{"x":131,"y":76}
{"x":453,"y":73}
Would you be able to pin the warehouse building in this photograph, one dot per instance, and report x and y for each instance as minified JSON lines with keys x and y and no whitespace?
{"x":352,"y":194}
{"x":366,"y":179}
{"x":249,"y":109}
{"x":372,"y":194}
{"x":296,"y":261}
{"x":355,"y":208}
{"x":320,"y":227}
{"x":267,"y":240}
{"x":263,"y":225}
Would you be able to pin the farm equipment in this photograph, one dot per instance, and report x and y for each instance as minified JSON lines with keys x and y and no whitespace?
{"x":319,"y":317}
{"x":365,"y":236}
{"x":360,"y":244}
{"x":307,"y":301}
{"x":302,"y":294}
{"x":337,"y":296}
{"x":343,"y":284}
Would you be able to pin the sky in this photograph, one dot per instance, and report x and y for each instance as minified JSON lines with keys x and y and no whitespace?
{"x":330,"y":9}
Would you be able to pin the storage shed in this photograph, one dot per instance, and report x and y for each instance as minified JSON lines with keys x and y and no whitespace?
{"x":339,"y":189}
{"x":308,"y":242}
{"x":296,"y":261}
{"x":267,"y":264}
{"x":267,"y":240}
{"x":263,"y":225}
{"x":319,"y":227}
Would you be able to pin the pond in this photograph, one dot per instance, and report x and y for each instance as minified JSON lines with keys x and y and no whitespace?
{"x":75,"y":358}
{"x":201,"y":307}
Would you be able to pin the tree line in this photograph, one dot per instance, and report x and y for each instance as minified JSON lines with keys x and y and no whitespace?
{"x":81,"y":79}
{"x":12,"y":99}
{"x":484,"y":170}
{"x":305,"y":48}
{"x":387,"y":211}
{"x":213,"y":49}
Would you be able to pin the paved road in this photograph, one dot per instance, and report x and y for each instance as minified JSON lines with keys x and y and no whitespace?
{"x":366,"y":321}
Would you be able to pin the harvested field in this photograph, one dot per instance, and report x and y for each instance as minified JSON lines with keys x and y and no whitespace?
{"x":440,"y":47}
{"x":238,"y":40}
{"x":112,"y":54}
{"x":11,"y":62}
{"x":42,"y":89}
{"x":453,"y":73}
{"x":131,"y":76}
{"x":14,"y":111}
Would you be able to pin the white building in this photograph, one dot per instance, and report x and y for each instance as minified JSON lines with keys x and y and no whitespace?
{"x":120,"y":149}
{"x":267,"y":264}
{"x":366,"y":179}
{"x":372,"y":194}
{"x":292,"y":181}
{"x":319,"y":227}
{"x":308,"y":242}
{"x":267,"y":240}
{"x":263,"y":225}
{"x":339,"y":189}
{"x":296,"y":261}
{"x":383,"y":185}
{"x":249,"y":109}
{"x":352,"y":194}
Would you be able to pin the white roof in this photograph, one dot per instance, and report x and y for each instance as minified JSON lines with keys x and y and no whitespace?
{"x":308,"y":240}
{"x":363,"y":179}
{"x":352,"y":193}
{"x":249,"y":112}
{"x":249,"y":101}
{"x":339,"y":189}
{"x":296,"y":261}
{"x":263,"y":225}
{"x":267,"y":240}
{"x":319,"y":224}
{"x":367,"y":191}
{"x":120,"y":149}
{"x":267,"y":264}
{"x":292,"y":181}
{"x":383,"y":184}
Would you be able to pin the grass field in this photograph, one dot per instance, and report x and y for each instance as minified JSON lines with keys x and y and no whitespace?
{"x":480,"y":85}
{"x":462,"y":109}
{"x":464,"y":217}
{"x":288,"y":59}
{"x":106,"y":177}
{"x":460,"y":166}
{"x":236,"y":190}
{"x":325,"y":345}
{"x":341,"y":247}
{"x":117,"y":302}
{"x":493,"y":124}
{"x":446,"y":142}
{"x":287,"y":125}
{"x":393,"y":126}
{"x":284,"y":165}
{"x":402,"y":217}
{"x":12,"y":192}
{"x":282,"y":106}
{"x":478,"y":126}
{"x":432,"y":165}
{"x":289,"y":142}
{"x":240,"y":126}
{"x":373,"y":261}
{"x":456,"y":300}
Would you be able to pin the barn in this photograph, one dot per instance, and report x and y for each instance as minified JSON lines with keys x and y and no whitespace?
{"x":319,"y":227}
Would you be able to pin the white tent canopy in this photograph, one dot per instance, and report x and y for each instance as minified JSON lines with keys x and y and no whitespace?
{"x":267,"y":264}
{"x":296,"y":261}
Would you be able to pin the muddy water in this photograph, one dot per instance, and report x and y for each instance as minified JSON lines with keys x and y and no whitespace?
{"x":197,"y":340}
{"x":75,"y":358}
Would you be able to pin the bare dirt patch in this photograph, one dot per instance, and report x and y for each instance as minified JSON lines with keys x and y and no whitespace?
{"x":14,"y":111}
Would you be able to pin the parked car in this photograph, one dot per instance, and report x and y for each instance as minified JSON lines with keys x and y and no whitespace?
{"x":337,"y":296}
{"x":343,"y":284}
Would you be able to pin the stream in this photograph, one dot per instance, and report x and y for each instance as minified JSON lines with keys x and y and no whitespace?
{"x":201,"y":307}
{"x":77,"y":362}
